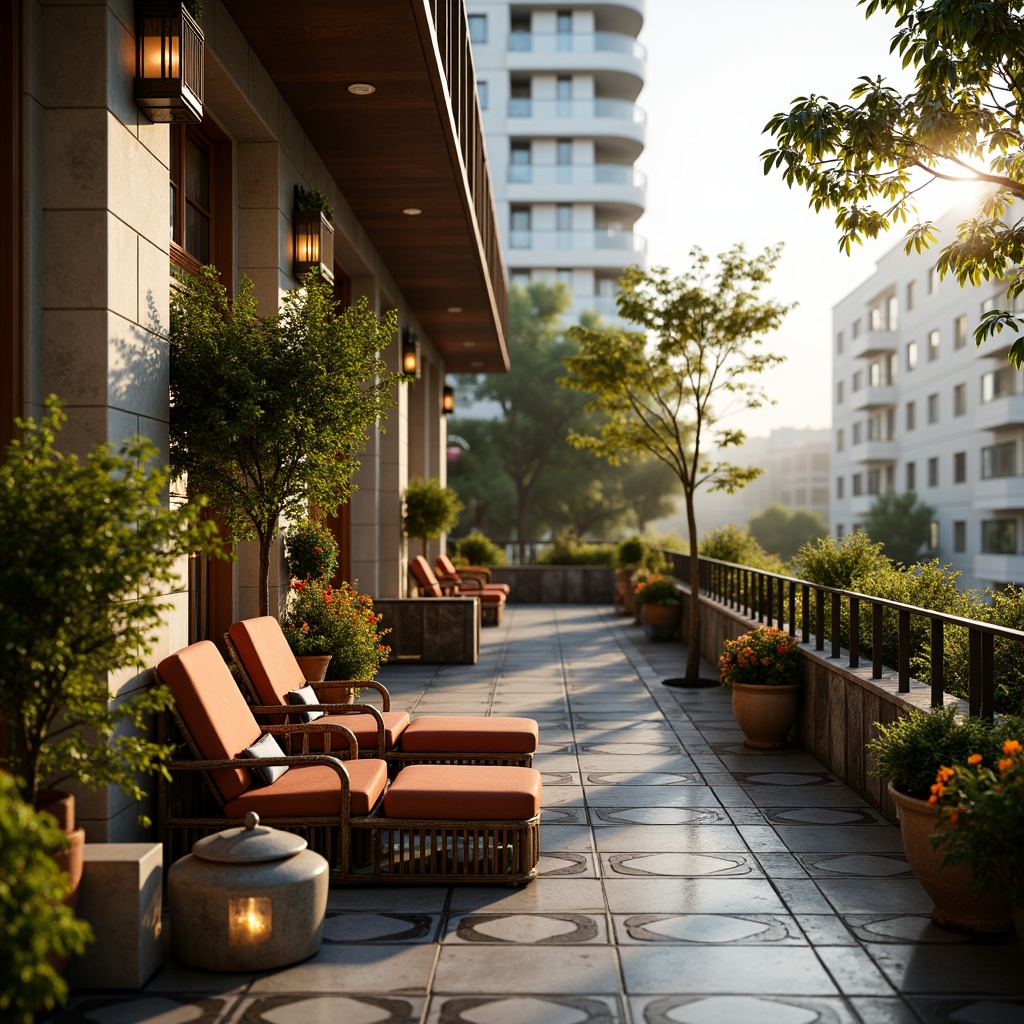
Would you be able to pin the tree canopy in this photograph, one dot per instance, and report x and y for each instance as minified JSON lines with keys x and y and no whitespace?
{"x":268,"y":413}
{"x":900,"y":523}
{"x":868,"y":159}
{"x":783,"y":531}
{"x":665,"y":390}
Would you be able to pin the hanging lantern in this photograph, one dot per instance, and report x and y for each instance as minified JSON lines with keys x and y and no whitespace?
{"x":410,"y":353}
{"x":168,"y":62}
{"x":314,"y":238}
{"x":448,"y":400}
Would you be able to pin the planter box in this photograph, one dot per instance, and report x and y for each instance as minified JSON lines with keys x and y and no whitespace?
{"x":557,"y":584}
{"x":437,"y":630}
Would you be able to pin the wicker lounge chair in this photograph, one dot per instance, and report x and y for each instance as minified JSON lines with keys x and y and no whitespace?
{"x":492,"y":602}
{"x":468,"y":580}
{"x":269,"y":672}
{"x":435,"y":823}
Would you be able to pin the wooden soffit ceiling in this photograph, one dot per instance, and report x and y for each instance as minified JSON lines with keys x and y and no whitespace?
{"x":389,"y":151}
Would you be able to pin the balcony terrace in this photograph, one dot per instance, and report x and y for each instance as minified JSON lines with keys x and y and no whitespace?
{"x":685,"y":878}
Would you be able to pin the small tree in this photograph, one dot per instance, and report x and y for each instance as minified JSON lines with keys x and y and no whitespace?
{"x":962,"y":122}
{"x":430,"y":510}
{"x":268,"y":413}
{"x":901,"y":524}
{"x":662,"y":389}
{"x":783,"y":531}
{"x":88,"y":549}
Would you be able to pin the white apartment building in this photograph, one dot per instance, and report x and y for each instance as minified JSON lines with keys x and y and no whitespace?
{"x":918,"y":407}
{"x":558,"y":84}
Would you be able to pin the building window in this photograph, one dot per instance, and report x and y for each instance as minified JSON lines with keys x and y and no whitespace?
{"x":478,"y":28}
{"x":911,"y":294}
{"x":858,"y":485}
{"x":997,"y":383}
{"x":959,"y":536}
{"x":563,"y":217}
{"x":858,"y":381}
{"x":960,"y":467}
{"x":999,"y":460}
{"x":520,"y":236}
{"x":874,"y":481}
{"x":519,"y":278}
{"x":482,"y":94}
{"x":839,"y":488}
{"x":839,"y":439}
{"x":999,"y":537}
{"x":987,"y":306}
{"x":911,"y":415}
{"x":839,"y":343}
{"x":911,"y":355}
{"x":960,"y":400}
{"x":911,"y":470}
{"x":933,"y":472}
{"x":933,"y":346}
{"x":933,"y":536}
{"x":191,"y":194}
{"x":960,"y":331}
{"x":933,"y":408}
{"x":855,"y":329}
{"x":839,"y":530}
{"x":875,"y":318}
{"x":857,"y":433}
{"x":839,"y":392}
{"x":933,"y":280}
{"x":892,"y":308}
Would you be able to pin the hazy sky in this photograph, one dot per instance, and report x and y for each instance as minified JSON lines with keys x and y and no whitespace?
{"x":716,"y":73}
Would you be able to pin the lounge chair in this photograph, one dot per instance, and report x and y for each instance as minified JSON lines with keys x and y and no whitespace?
{"x":468,"y":580}
{"x":270,"y":672}
{"x":434,"y":823}
{"x":492,"y":602}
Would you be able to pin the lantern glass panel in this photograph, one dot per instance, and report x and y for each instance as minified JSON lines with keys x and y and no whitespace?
{"x":250,"y":920}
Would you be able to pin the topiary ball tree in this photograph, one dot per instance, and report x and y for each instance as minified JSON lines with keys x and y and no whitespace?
{"x":430,"y":510}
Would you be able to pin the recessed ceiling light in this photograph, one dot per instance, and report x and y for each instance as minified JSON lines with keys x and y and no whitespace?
{"x":469,"y":344}
{"x":412,"y":211}
{"x":454,"y":309}
{"x":476,"y":364}
{"x":362,"y":88}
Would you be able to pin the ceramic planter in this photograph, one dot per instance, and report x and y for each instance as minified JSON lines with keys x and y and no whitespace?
{"x":765,"y":713}
{"x":958,"y":905}
{"x":660,"y":621}
{"x":61,"y":804}
{"x":314,"y":666}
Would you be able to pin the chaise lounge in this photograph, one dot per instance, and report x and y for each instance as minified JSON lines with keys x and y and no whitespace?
{"x":492,"y":602}
{"x":270,"y":673}
{"x":433,"y":823}
{"x":469,"y":580}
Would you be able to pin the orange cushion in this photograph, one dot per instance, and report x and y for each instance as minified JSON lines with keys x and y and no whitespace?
{"x":365,"y":729}
{"x":459,"y":792}
{"x":314,"y":792}
{"x":425,"y":578}
{"x":486,"y":596}
{"x":449,"y":733}
{"x":267,"y":658}
{"x":213,"y":710}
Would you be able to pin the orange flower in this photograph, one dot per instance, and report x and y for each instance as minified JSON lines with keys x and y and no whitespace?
{"x":944,"y":774}
{"x":1012,"y":747}
{"x":1005,"y":764}
{"x":974,"y":759}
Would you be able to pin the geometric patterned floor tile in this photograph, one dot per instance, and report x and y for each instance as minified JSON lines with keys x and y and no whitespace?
{"x":704,"y":929}
{"x":744,"y":1010}
{"x":166,"y":1009}
{"x":525,"y":1010}
{"x":331,"y":1009}
{"x":528,"y":929}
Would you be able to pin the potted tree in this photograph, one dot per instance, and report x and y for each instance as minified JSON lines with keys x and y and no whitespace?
{"x":88,"y":552}
{"x":764,"y":668}
{"x":910,"y":753}
{"x":430,"y":510}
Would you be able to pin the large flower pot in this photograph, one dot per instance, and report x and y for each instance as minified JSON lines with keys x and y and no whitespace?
{"x":660,"y":621}
{"x":958,"y":904}
{"x":61,"y":805}
{"x":314,"y":666}
{"x":765,"y":713}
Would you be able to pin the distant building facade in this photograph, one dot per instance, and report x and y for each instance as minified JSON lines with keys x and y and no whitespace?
{"x":558,"y":87}
{"x":917,"y":406}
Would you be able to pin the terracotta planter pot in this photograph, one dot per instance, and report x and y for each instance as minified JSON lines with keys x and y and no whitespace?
{"x":71,"y":861}
{"x":314,"y":666}
{"x":765,"y":713}
{"x":660,"y":621}
{"x":958,"y":905}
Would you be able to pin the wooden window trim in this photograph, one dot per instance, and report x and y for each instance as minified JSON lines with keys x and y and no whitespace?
{"x":11,"y":360}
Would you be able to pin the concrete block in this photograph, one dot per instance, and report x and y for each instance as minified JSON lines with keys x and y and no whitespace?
{"x":121,"y":897}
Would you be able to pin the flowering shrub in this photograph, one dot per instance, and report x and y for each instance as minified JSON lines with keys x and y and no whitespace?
{"x":981,"y":820}
{"x":656,"y":589}
{"x":338,"y":621}
{"x":766,"y":656}
{"x":311,"y":552}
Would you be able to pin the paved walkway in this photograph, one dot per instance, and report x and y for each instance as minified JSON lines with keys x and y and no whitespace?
{"x":685,"y":878}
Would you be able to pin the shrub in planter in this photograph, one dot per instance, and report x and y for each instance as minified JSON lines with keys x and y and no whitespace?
{"x":657,"y":589}
{"x":765,"y":656}
{"x":477,"y":549}
{"x":311,"y":552}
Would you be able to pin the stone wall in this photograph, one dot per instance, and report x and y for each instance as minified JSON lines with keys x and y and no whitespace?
{"x":557,"y":584}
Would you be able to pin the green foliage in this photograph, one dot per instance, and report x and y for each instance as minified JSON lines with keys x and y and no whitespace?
{"x":766,"y":656}
{"x":477,"y":549}
{"x":734,"y":544}
{"x":962,"y":121}
{"x":269,"y":412}
{"x":430,"y":510}
{"x":313,"y":199}
{"x":567,"y":550}
{"x":1003,"y":608}
{"x":910,"y":751}
{"x":310,"y":551}
{"x":35,"y":926}
{"x":657,"y":589}
{"x":338,"y":621}
{"x":637,"y":550}
{"x":838,"y":561}
{"x":664,"y":389}
{"x":900,"y":523}
{"x":784,"y":531}
{"x":88,"y":551}
{"x":982,"y":816}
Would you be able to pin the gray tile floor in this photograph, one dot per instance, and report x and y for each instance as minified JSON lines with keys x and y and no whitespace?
{"x":685,"y":879}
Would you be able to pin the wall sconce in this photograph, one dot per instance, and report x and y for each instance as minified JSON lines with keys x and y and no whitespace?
{"x":410,"y":353}
{"x":448,"y":400}
{"x":314,"y":238}
{"x":169,"y":73}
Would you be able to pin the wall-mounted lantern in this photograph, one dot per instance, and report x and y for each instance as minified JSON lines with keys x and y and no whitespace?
{"x":448,"y":400}
{"x":314,"y":235}
{"x":169,"y":73}
{"x":410,"y":353}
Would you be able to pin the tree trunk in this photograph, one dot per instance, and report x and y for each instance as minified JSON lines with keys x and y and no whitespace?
{"x":693,"y":605}
{"x":265,"y":541}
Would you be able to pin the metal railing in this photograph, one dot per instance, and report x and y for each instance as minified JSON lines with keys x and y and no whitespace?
{"x":576,"y":174}
{"x":836,"y":618}
{"x":582,"y":109}
{"x":578,"y":241}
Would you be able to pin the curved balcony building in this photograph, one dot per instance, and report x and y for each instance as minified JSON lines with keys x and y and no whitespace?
{"x":559,"y":88}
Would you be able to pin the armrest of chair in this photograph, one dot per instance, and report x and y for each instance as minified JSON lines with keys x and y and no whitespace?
{"x":355,"y":684}
{"x":306,"y":728}
{"x":277,"y":710}
{"x":478,"y":572}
